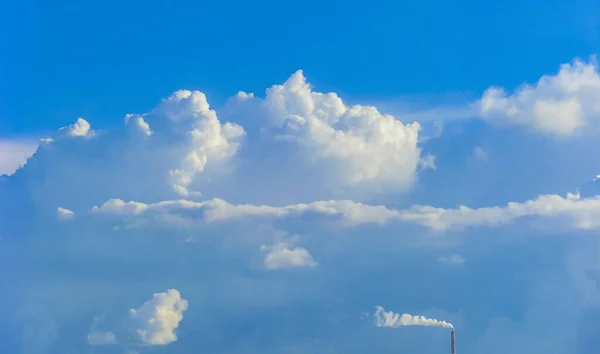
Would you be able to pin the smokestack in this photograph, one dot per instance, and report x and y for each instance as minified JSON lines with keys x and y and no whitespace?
{"x":453,"y":341}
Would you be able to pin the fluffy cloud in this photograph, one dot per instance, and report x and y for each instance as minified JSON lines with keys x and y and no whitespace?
{"x":282,"y":256}
{"x":165,"y":151}
{"x":358,"y":146}
{"x":560,"y":104}
{"x":153,"y":323}
{"x":138,"y":124}
{"x":309,"y":140}
{"x":81,"y":128}
{"x":158,"y":318}
{"x":207,"y":138}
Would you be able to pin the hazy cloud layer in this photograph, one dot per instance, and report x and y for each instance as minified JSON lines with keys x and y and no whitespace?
{"x":14,"y":153}
{"x":281,"y":219}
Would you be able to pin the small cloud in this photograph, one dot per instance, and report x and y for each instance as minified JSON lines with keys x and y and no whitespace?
{"x":454,"y":259}
{"x":81,"y":128}
{"x":153,"y":323}
{"x":63,"y":214}
{"x":427,"y":161}
{"x":101,"y":338}
{"x":281,"y":256}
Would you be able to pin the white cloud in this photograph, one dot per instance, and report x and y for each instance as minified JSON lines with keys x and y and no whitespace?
{"x":14,"y":154}
{"x":158,"y":318}
{"x":584,"y":213}
{"x":560,"y":104}
{"x":281,"y":256}
{"x":182,"y":149}
{"x":455,"y":259}
{"x":81,"y":128}
{"x":119,"y":207}
{"x":206,"y":137}
{"x":153,"y":323}
{"x":138,"y":124}
{"x":358,"y":146}
{"x":350,"y":213}
{"x":64,"y":214}
{"x":428,"y":161}
{"x":169,"y":147}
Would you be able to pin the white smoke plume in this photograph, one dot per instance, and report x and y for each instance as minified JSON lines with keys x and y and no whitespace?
{"x":394,"y":320}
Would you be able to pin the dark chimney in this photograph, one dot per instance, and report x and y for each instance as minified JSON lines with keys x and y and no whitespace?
{"x":453,"y":341}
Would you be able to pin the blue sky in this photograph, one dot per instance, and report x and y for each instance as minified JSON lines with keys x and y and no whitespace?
{"x":106,"y":59}
{"x":258,"y":177}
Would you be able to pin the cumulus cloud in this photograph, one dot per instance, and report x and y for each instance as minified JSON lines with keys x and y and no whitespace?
{"x":81,"y":128}
{"x":358,"y":145}
{"x":181,"y":149}
{"x":64,"y":214}
{"x":167,"y":148}
{"x":560,"y":104}
{"x":207,"y":138}
{"x":138,"y":124}
{"x":158,"y":318}
{"x":153,"y":323}
{"x":282,"y":255}
{"x":14,"y":154}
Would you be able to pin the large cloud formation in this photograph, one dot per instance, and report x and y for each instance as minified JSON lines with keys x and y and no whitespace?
{"x":283,"y":218}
